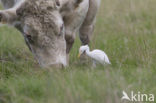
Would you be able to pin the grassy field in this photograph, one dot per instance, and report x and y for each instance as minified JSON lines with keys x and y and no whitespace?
{"x":125,"y":30}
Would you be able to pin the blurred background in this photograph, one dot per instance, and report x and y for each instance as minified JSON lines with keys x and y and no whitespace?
{"x":125,"y":30}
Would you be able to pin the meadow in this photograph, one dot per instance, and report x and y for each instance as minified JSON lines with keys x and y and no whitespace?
{"x":125,"y":30}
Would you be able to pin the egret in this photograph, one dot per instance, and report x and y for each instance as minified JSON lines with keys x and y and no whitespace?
{"x":98,"y":56}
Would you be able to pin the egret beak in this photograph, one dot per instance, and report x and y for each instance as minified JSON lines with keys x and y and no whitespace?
{"x":79,"y":55}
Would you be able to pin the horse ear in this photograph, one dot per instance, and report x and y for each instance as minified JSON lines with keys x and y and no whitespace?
{"x":57,"y":2}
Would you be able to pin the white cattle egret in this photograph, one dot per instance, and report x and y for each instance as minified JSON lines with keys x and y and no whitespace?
{"x":97,"y":55}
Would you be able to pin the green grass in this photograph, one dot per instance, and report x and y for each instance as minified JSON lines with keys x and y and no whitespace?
{"x":125,"y":30}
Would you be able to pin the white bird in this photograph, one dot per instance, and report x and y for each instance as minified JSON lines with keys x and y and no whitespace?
{"x":97,"y":55}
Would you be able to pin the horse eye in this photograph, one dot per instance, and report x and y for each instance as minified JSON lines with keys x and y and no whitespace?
{"x":57,"y":3}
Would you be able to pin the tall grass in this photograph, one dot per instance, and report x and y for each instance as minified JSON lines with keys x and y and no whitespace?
{"x":125,"y":30}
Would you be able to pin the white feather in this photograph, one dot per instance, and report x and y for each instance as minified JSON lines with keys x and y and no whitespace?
{"x":97,"y":55}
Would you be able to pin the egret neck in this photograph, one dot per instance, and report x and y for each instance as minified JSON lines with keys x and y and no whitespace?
{"x":88,"y":53}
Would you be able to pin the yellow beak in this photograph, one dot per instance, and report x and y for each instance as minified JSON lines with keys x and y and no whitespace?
{"x":79,"y":55}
